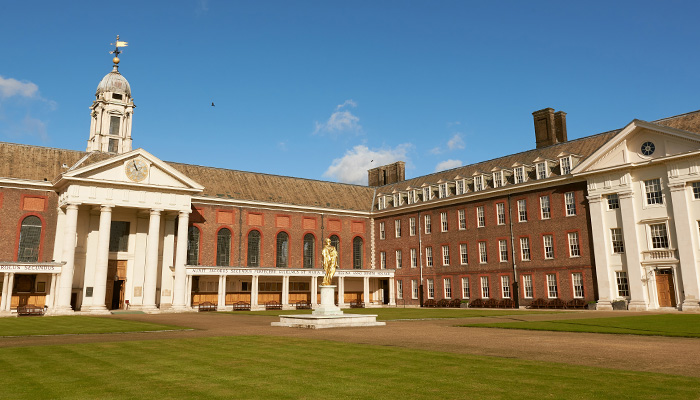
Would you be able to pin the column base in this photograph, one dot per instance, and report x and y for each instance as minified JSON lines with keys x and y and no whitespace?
{"x":98,"y":310}
{"x":146,"y":309}
{"x":60,"y":310}
{"x":604,"y":305}
{"x":637,"y":305}
{"x":690,"y":305}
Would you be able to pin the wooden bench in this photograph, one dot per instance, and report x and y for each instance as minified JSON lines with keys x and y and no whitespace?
{"x":303,"y":305}
{"x":357,"y":304}
{"x":443,"y":303}
{"x":506,"y":303}
{"x":29,"y":309}
{"x":491,"y":303}
{"x":476,"y":303}
{"x":539,"y":303}
{"x":556,"y":303}
{"x":241,"y":306}
{"x":577,"y":303}
{"x":206,"y":306}
{"x":273,"y":305}
{"x":456,"y":303}
{"x":430,"y":303}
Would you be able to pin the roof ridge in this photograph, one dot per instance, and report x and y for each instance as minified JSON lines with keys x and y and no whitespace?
{"x":43,"y":147}
{"x":676,"y":116}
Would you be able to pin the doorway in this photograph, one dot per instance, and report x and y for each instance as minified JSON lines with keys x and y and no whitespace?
{"x":665,"y":289}
{"x":116,"y":284}
{"x":385,"y":289}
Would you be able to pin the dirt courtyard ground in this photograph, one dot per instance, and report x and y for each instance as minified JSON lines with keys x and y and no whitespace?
{"x":678,"y":356}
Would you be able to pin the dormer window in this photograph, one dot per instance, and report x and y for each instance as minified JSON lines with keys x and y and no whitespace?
{"x":460,"y":187}
{"x":409,"y":197}
{"x":498,"y":179}
{"x":565,"y":165}
{"x":542,"y":172}
{"x":397,"y":199}
{"x":116,"y":96}
{"x":478,"y":183}
{"x":114,"y":125}
{"x":382,"y":203}
{"x":443,"y":190}
{"x":519,"y":174}
{"x":426,"y":193}
{"x":113,"y":146}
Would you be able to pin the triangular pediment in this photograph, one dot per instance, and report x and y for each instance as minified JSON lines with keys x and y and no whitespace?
{"x":640,"y":142}
{"x":135,"y":168}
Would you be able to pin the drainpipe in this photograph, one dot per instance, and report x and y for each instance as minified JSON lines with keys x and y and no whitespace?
{"x":516,"y":295}
{"x":420,"y":257}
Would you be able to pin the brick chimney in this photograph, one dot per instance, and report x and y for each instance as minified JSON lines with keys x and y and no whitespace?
{"x":387,"y":174}
{"x":550,"y":127}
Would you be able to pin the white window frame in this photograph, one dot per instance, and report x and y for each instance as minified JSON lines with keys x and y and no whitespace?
{"x":443,"y":190}
{"x":382,"y":260}
{"x":428,"y":256}
{"x":399,"y":289}
{"x":503,"y":250}
{"x":447,"y":288}
{"x":613,"y":201}
{"x":399,"y":259}
{"x":497,"y":179}
{"x":483,"y":253}
{"x":525,"y":249}
{"x":696,"y":190}
{"x":382,"y":203}
{"x":552,"y":287}
{"x":622,"y":283}
{"x":465,"y":288}
{"x":462,"y":219}
{"x":414,"y":258}
{"x":409,"y":197}
{"x":427,"y":193}
{"x":484,"y":287}
{"x":653,"y":192}
{"x":577,"y":284}
{"x":565,"y":165}
{"x":542,"y":170}
{"x":480,"y":217}
{"x":412,"y":226}
{"x":414,"y":288}
{"x":426,"y":219}
{"x":548,"y":246}
{"x":445,"y":255}
{"x":505,"y":286}
{"x":528,"y":293}
{"x":500,"y":213}
{"x":651,"y":231}
{"x":463,"y":254}
{"x":397,"y":228}
{"x":522,"y":210}
{"x":479,"y":183}
{"x":397,"y":200}
{"x":545,"y":207}
{"x":443,"y":221}
{"x":617,"y":242}
{"x":460,"y":185}
{"x":570,"y":202}
{"x":431,"y":289}
{"x":519,"y":175}
{"x":574,"y":245}
{"x":382,"y":232}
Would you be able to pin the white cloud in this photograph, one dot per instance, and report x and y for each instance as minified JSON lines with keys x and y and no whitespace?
{"x":342,"y":120}
{"x":447,"y":164}
{"x":435,"y":150}
{"x":353,"y":166}
{"x":12,"y":87}
{"x":456,"y":142}
{"x":28,"y":126}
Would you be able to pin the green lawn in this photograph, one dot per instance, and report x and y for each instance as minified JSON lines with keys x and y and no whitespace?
{"x":389,"y":314}
{"x":684,"y":325}
{"x":286,"y":368}
{"x":26,"y":326}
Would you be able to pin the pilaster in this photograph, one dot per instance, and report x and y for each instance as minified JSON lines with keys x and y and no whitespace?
{"x":686,"y":252}
{"x":600,"y":242}
{"x":629,"y":234}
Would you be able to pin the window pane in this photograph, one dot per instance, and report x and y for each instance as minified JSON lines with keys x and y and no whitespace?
{"x":283,"y":249}
{"x":119,"y":236}
{"x":357,"y":253}
{"x":29,"y":240}
{"x":254,"y":249}
{"x":193,"y":246}
{"x":223,"y":248}
{"x":309,"y":244}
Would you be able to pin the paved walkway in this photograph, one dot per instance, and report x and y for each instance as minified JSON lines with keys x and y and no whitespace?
{"x":679,"y":356}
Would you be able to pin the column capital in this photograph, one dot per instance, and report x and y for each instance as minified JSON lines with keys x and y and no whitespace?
{"x":625,"y":195}
{"x":106,"y":208}
{"x":185,"y":213}
{"x":677,"y":186}
{"x":156,"y":211}
{"x":72,"y":206}
{"x":594,"y":198}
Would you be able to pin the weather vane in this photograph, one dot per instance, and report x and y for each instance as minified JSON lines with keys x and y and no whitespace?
{"x":116,"y":51}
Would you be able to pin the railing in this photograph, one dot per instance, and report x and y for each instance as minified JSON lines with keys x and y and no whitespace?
{"x":660,"y":255}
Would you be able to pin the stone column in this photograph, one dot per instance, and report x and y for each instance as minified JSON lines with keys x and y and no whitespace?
{"x":181,"y":289}
{"x":629,"y":235}
{"x":285,"y":291}
{"x":10,"y":285}
{"x":392,"y":292}
{"x":51,"y":298}
{"x":188,"y":291}
{"x":600,"y":252}
{"x":98,"y":294}
{"x":65,"y":285}
{"x":151,"y":274}
{"x":685,"y":230}
{"x":5,"y":296}
{"x":365,"y":284}
{"x":221,"y":303}
{"x":167,"y":268}
{"x":314,"y":290}
{"x":254,"y":291}
{"x":341,"y":291}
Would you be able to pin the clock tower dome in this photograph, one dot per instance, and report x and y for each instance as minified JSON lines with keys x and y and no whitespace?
{"x":111,"y":112}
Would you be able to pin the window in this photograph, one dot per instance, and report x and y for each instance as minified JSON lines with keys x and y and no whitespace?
{"x":541,"y":170}
{"x":381,"y":202}
{"x":414,"y":288}
{"x":498,"y":179}
{"x":505,"y":286}
{"x":565,"y":165}
{"x":113,"y":146}
{"x":465,"y":288}
{"x":574,"y":249}
{"x":382,"y":232}
{"x":399,"y":259}
{"x":501,"y":213}
{"x":652,"y":188}
{"x":480,"y":220}
{"x":193,"y":246}
{"x":447,"y":285}
{"x":462,"y":220}
{"x":503,"y":250}
{"x":223,"y":247}
{"x":397,"y":228}
{"x":659,"y":237}
{"x":309,"y":250}
{"x":463,"y":256}
{"x":443,"y":221}
{"x":570,"y":201}
{"x":478,"y":183}
{"x":412,"y":226}
{"x":283,"y":250}
{"x":335,"y":242}
{"x":696,"y":190}
{"x":577,"y":280}
{"x":482,"y":253}
{"x":382,"y":260}
{"x":519,"y":174}
{"x":522,"y":211}
{"x":429,"y":256}
{"x":460,"y":187}
{"x":525,"y":249}
{"x":414,"y":258}
{"x":548,"y":241}
{"x":397,"y":200}
{"x":410,"y":197}
{"x":399,"y":289}
{"x":29,"y":240}
{"x":114,"y":123}
{"x":552,"y":291}
{"x":427,"y":224}
{"x":426,"y":193}
{"x":357,"y":253}
{"x":623,"y":288}
{"x":527,"y":286}
{"x":484,"y":287}
{"x":613,"y":201}
{"x":443,"y":190}
{"x":119,"y":236}
{"x":545,"y":210}
{"x":431,"y":289}
{"x":617,"y":244}
{"x":445,"y":255}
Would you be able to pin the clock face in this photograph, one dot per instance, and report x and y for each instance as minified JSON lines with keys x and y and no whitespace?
{"x":648,"y":148}
{"x":136,"y":170}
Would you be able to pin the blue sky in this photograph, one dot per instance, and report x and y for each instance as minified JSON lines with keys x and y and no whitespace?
{"x":317,"y":89}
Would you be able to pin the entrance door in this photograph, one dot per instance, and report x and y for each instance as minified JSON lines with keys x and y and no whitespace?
{"x":116,"y":276}
{"x":385,"y":289}
{"x":117,"y":295}
{"x":665,"y":289}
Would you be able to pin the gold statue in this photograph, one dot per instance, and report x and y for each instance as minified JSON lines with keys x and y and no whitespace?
{"x":330,"y":262}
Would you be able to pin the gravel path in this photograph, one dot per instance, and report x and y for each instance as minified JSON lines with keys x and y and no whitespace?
{"x":679,"y":356}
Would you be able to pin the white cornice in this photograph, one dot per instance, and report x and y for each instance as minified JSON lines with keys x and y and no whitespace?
{"x":657,"y":160}
{"x":277,"y":206}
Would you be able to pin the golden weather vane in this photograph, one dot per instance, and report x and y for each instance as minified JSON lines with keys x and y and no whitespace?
{"x":116,"y":51}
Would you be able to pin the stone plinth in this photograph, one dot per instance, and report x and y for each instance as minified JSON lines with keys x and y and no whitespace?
{"x":327,"y":306}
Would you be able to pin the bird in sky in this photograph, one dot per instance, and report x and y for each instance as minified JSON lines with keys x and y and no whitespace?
{"x":212,"y":104}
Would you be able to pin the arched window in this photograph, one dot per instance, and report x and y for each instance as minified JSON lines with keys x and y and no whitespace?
{"x":193,"y":246}
{"x":223,"y":247}
{"x":29,"y":240}
{"x":282,"y":250}
{"x":309,"y":250}
{"x":357,"y":253}
{"x":254,"y":249}
{"x":335,"y":242}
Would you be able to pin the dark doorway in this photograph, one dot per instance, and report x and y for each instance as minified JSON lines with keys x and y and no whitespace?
{"x":117,"y":295}
{"x":385,"y":289}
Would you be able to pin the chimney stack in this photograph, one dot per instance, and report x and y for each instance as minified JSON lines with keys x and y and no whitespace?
{"x":550,"y":127}
{"x":387,"y":174}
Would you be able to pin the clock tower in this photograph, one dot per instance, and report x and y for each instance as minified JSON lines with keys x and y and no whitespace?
{"x":111,"y":112}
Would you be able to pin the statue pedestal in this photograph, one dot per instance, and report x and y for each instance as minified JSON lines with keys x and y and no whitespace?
{"x":327,"y":315}
{"x":327,"y":306}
